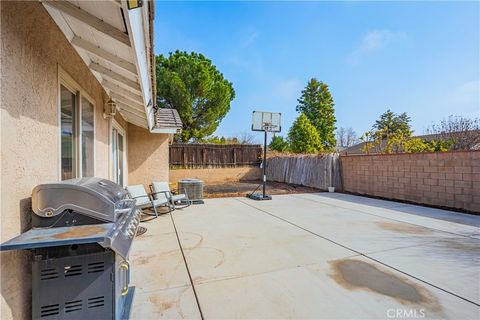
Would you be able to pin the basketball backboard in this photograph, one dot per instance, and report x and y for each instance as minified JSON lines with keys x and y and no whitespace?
{"x":266,"y":121}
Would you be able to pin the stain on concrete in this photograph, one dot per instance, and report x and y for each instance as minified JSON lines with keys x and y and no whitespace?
{"x":402,"y":227}
{"x":460,"y":245}
{"x":187,"y":238}
{"x":220,"y":253}
{"x":459,"y":251}
{"x":142,"y":260}
{"x":357,"y":274}
{"x":161,"y":305}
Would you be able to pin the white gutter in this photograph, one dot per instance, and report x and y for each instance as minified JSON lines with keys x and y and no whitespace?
{"x":169,"y":131}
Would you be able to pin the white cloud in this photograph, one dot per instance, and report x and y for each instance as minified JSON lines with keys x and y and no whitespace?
{"x":371,"y":42}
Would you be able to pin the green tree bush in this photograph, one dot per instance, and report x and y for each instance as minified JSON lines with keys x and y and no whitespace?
{"x":416,"y":145}
{"x":190,"y":83}
{"x":420,"y":145}
{"x":304,"y":137}
{"x":441,"y":145}
{"x":369,"y":142}
{"x":389,"y":133}
{"x":317,"y":104}
{"x":279,"y":144}
{"x":390,"y":123}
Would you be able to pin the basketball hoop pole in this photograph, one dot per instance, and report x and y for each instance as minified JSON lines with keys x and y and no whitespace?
{"x":264,"y":163}
{"x":264,"y":121}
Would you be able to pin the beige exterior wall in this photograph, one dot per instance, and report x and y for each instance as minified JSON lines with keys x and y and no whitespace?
{"x":147,"y":156}
{"x":215,"y":175}
{"x":33,"y":48}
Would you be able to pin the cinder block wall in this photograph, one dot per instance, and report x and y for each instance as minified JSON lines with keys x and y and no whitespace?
{"x":217,"y":175}
{"x":449,"y":179}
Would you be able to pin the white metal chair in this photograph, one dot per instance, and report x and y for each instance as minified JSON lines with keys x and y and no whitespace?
{"x":150,"y":201}
{"x":162,"y":187}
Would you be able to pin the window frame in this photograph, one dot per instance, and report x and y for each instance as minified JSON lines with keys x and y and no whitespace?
{"x":112,"y":175}
{"x":65,"y":80}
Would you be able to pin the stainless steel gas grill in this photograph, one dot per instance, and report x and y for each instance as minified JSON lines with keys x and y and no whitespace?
{"x":82,"y":231}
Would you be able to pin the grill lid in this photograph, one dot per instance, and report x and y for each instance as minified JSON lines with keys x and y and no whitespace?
{"x":96,"y":197}
{"x":99,"y":198}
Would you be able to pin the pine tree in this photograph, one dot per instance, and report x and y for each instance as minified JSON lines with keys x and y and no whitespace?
{"x":390,"y":123}
{"x":279,"y":144}
{"x":190,"y":83}
{"x":303,"y":136}
{"x":317,"y":104}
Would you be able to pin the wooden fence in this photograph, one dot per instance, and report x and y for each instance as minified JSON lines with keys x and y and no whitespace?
{"x":317,"y":171}
{"x":186,"y":155}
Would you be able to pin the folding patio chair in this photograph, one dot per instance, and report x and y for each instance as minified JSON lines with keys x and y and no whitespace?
{"x":150,"y":201}
{"x":159,"y":187}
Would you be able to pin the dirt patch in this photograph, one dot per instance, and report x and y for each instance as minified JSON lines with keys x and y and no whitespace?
{"x":79,"y":232}
{"x":241,"y":188}
{"x":355,"y":274}
{"x":402,"y":228}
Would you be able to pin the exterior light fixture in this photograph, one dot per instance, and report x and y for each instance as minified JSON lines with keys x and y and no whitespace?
{"x":110,"y":109}
{"x":134,"y":4}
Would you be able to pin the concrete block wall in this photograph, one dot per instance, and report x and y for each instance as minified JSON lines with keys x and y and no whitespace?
{"x":217,"y":175}
{"x":448,"y":179}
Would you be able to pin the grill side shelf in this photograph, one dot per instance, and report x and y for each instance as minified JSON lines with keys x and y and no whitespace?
{"x":52,"y":237}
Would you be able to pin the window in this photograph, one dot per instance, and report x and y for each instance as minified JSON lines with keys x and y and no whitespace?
{"x":68,"y":119}
{"x":77,"y":134}
{"x":87,"y":138}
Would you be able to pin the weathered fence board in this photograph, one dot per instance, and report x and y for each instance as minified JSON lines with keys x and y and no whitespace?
{"x":185,"y":155}
{"x":317,"y":171}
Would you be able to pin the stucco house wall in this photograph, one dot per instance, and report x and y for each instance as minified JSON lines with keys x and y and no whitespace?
{"x":33,"y":49}
{"x":147,"y":156}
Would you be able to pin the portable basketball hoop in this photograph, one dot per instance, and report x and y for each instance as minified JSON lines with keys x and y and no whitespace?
{"x":266,"y":122}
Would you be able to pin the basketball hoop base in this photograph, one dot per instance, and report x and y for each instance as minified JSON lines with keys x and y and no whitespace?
{"x":259,"y":196}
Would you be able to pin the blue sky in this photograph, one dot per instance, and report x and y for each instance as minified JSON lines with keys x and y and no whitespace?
{"x":422,"y":58}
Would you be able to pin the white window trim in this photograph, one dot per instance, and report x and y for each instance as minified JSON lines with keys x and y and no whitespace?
{"x":64,"y":79}
{"x":115,"y":125}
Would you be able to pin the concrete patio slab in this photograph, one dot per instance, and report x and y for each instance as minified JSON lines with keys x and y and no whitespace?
{"x":452,"y":264}
{"x":324,"y":256}
{"x":242,"y":242}
{"x":460,"y":223}
{"x":318,"y":292}
{"x":364,"y":233}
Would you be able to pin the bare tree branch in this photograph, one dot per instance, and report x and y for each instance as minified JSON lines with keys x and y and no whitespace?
{"x":463,"y":133}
